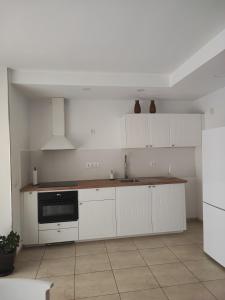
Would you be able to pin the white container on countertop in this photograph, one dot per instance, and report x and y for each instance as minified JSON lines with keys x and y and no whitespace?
{"x":35,"y":176}
{"x":111,"y":175}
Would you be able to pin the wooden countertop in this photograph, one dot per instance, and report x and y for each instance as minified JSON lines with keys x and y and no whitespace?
{"x":101,"y":183}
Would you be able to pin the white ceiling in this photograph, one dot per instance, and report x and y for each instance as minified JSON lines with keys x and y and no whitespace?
{"x":139,"y":36}
{"x":41,"y":85}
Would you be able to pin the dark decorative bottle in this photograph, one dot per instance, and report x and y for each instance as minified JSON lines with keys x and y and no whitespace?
{"x":152,"y":108}
{"x":137,"y":107}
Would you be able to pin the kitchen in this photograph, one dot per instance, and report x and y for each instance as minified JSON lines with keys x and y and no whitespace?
{"x":107,"y":193}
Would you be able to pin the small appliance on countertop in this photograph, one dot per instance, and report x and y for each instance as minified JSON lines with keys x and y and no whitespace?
{"x":57,"y":184}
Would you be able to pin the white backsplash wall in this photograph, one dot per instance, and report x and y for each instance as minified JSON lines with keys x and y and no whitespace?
{"x":156,"y":162}
{"x":71,"y":165}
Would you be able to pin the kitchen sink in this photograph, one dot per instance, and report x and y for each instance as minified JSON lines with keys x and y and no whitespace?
{"x":129,"y":180}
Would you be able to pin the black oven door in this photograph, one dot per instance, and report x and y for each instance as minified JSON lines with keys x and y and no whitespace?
{"x":57,"y":207}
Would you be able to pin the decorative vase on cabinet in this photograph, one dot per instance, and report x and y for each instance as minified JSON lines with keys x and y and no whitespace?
{"x":152,"y":108}
{"x":137,"y":107}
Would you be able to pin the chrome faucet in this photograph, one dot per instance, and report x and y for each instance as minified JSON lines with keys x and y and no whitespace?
{"x":125,"y":167}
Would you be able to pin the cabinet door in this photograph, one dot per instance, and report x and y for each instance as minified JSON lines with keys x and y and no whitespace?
{"x":133,"y":210}
{"x":97,"y":219}
{"x":30,"y":218}
{"x":185,"y":130}
{"x":214,"y":228}
{"x":168,"y":208}
{"x":136,"y":127}
{"x":159,"y":125}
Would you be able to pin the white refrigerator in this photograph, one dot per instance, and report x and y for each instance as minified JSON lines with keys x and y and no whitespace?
{"x":213,"y":151}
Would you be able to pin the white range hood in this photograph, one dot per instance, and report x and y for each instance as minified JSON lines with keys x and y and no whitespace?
{"x":58,"y":141}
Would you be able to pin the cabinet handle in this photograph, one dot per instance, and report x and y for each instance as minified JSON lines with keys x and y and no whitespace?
{"x":58,"y":224}
{"x":58,"y":230}
{"x":97,"y":189}
{"x":173,"y":145}
{"x":146,"y":146}
{"x":81,"y":203}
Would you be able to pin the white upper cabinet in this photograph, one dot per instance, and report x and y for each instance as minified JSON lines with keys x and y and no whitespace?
{"x":185,"y":130}
{"x":161,"y":130}
{"x":136,"y":131}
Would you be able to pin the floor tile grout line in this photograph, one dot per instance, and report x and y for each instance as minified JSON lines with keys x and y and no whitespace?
{"x":153,"y":275}
{"x":40,"y":262}
{"x":148,"y":289}
{"x":201,"y":282}
{"x":138,"y":250}
{"x":112,"y":270}
{"x":180,"y":261}
{"x":185,"y":266}
{"x":189,"y":260}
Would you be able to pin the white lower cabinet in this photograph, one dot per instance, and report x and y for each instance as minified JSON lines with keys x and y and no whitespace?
{"x":150,"y":209}
{"x":168,"y":208}
{"x":30,"y":218}
{"x":58,"y":235}
{"x":133,"y":210}
{"x":97,"y":219}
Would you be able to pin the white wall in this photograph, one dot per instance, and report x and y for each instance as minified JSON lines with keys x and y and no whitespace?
{"x":213,"y":107}
{"x":5,"y":168}
{"x":20,"y":155}
{"x":82,"y":116}
{"x":103,"y":118}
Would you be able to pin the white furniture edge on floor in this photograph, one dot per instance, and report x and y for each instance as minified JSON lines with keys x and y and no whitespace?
{"x":24,"y":289}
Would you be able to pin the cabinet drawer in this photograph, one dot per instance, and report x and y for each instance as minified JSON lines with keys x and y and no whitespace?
{"x":97,"y":194}
{"x":59,"y":225}
{"x":60,"y":235}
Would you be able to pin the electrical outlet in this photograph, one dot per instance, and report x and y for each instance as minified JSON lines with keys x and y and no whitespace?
{"x":93,"y":131}
{"x":152,"y":163}
{"x":96,"y":164}
{"x":88,"y":165}
{"x":92,"y":165}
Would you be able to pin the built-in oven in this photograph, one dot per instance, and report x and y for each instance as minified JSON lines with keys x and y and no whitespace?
{"x":57,"y":206}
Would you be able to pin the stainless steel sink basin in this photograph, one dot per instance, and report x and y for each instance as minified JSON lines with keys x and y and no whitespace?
{"x":129,"y":180}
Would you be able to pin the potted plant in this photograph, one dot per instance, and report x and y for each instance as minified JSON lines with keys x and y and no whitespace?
{"x":8,"y":245}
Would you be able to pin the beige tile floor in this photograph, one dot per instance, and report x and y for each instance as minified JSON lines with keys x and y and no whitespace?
{"x":170,"y":267}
